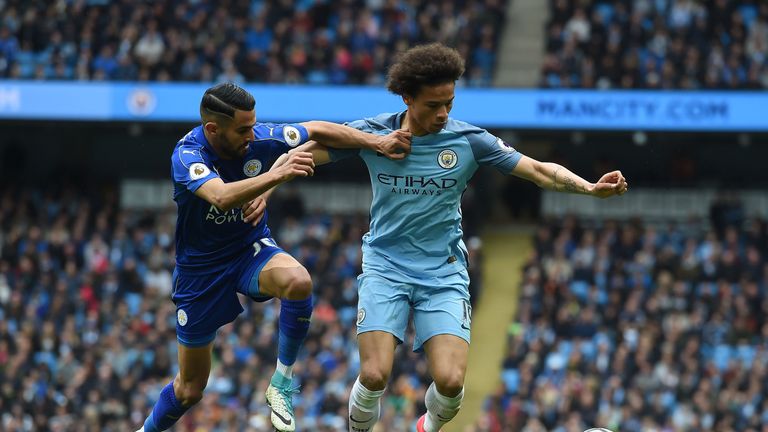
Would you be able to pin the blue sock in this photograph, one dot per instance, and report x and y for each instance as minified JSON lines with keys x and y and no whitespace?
{"x":166,"y":412}
{"x":294,"y":325}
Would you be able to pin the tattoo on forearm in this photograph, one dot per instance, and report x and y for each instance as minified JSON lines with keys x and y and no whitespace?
{"x":566,"y":183}
{"x":554,"y":178}
{"x":569,"y":185}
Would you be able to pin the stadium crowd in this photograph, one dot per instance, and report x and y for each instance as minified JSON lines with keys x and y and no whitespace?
{"x":286,"y":41}
{"x":87,"y":328}
{"x":638,"y":327}
{"x":657,"y":44}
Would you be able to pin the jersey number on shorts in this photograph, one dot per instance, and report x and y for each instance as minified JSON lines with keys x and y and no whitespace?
{"x":467,"y":318}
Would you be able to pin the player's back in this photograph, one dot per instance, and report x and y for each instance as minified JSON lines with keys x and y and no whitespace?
{"x":415,"y":214}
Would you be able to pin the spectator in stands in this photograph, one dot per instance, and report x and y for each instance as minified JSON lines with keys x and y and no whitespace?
{"x":689,"y":44}
{"x":656,"y":329}
{"x":323,"y":42}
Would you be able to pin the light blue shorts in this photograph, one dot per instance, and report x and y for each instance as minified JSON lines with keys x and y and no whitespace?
{"x":440,"y":306}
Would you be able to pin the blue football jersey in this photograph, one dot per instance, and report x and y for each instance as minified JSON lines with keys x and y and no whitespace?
{"x":207,"y":238}
{"x":415,"y":226}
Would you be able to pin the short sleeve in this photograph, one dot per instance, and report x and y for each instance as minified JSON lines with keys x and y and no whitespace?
{"x":190,"y":169}
{"x":286,"y":136}
{"x":492,"y":150}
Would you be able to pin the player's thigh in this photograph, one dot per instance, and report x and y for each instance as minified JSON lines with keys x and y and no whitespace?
{"x":377,"y":353}
{"x":194,"y":366}
{"x":204,"y":303}
{"x":441,"y":307}
{"x":447,"y":360}
{"x":284,"y":277}
{"x":382,"y":305}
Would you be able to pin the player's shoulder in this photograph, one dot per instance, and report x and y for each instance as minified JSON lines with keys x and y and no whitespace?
{"x":479,"y":139}
{"x":189,"y":149}
{"x":380,"y":123}
{"x":463,"y":128}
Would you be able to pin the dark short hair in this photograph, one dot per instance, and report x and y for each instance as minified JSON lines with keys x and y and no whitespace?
{"x":431,"y":64}
{"x":223,"y":99}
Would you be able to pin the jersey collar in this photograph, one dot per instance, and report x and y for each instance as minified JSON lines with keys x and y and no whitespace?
{"x":200,"y":137}
{"x":398,"y":120}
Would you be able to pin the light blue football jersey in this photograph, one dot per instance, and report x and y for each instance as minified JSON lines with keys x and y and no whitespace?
{"x":415,"y":226}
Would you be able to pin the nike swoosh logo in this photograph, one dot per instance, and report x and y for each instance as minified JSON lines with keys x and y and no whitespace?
{"x":283,"y":419}
{"x":360,"y":421}
{"x":171,"y":417}
{"x":443,"y":418}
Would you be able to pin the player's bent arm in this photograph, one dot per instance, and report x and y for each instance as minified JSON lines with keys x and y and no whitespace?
{"x":227,"y":196}
{"x":551,"y":176}
{"x":320,"y":156}
{"x":320,"y":153}
{"x":253,"y":209}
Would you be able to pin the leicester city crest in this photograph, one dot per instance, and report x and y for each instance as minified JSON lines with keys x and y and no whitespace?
{"x":252,"y":168}
{"x":447,"y":159}
{"x":181,"y":317}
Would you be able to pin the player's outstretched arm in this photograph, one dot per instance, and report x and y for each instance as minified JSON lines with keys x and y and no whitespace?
{"x":551,"y":176}
{"x":395,"y":145}
{"x":227,"y":196}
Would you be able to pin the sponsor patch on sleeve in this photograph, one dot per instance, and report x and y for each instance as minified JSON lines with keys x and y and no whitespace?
{"x":198,"y":171}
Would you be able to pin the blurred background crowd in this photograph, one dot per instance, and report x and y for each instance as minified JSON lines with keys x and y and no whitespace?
{"x":657,"y":44}
{"x":639,"y":327}
{"x":286,"y":41}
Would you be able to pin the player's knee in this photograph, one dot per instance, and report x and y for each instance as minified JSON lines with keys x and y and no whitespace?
{"x":298,"y":286}
{"x":189,"y":394}
{"x":373,"y":378}
{"x":450,"y":383}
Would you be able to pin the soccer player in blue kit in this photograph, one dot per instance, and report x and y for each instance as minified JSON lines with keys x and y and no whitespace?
{"x":413,"y":256}
{"x":218,"y":167}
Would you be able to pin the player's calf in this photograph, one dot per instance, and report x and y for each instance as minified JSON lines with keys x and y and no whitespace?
{"x":364,"y":407}
{"x":441,"y":408}
{"x":172,"y":404}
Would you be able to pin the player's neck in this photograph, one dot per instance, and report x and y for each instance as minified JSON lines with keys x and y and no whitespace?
{"x":214,"y":145}
{"x":413,"y":127}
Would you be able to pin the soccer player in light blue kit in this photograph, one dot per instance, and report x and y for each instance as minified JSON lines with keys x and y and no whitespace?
{"x":218,"y":167}
{"x":414,"y":258}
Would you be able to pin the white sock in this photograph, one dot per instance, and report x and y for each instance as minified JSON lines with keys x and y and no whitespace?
{"x":363,"y":407}
{"x":440,"y":409}
{"x":286,"y":371}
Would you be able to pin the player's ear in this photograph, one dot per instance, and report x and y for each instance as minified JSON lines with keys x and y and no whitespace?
{"x":407,"y":100}
{"x":211,"y":127}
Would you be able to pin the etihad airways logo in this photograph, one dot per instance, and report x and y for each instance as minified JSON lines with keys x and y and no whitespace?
{"x":416,"y":185}
{"x":217,"y":216}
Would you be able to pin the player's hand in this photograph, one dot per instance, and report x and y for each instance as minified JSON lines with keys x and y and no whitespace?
{"x":396,"y":145}
{"x":298,"y":164}
{"x":253,"y":211}
{"x":610,"y":184}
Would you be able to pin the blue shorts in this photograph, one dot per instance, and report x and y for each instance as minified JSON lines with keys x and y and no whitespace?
{"x":440,"y":306}
{"x":208,"y":301}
